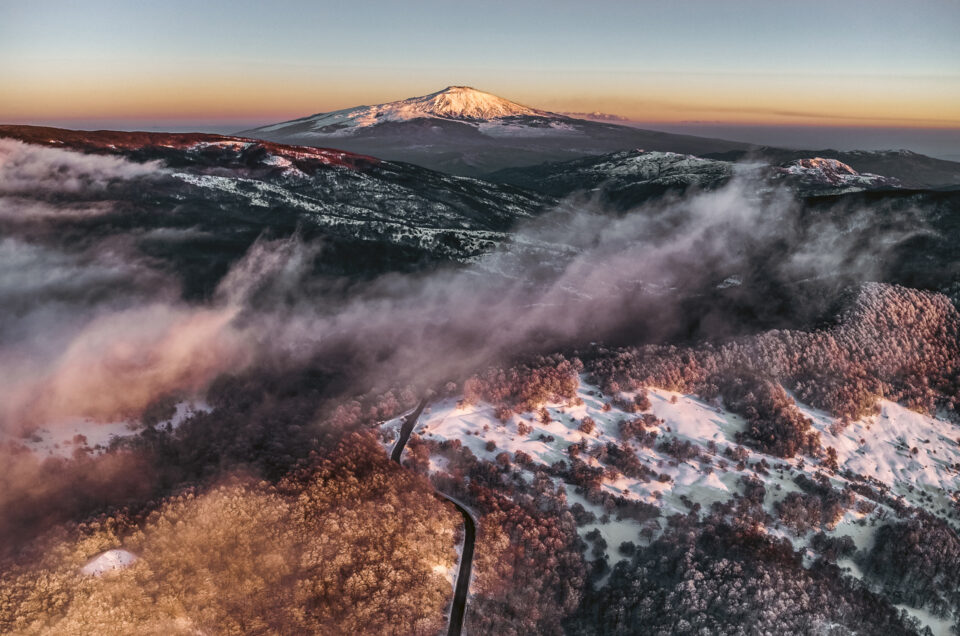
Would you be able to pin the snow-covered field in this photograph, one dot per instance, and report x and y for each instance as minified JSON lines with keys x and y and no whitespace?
{"x":880,"y":447}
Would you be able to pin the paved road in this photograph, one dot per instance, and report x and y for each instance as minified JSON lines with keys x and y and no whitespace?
{"x":459,"y":607}
{"x":405,"y":431}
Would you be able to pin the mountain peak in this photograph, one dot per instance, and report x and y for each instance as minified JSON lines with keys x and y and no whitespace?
{"x":464,"y":102}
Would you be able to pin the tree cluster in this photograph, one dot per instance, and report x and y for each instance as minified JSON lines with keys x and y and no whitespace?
{"x":717,"y":579}
{"x":892,"y":342}
{"x":818,"y":506}
{"x":917,"y":562}
{"x":526,"y":387}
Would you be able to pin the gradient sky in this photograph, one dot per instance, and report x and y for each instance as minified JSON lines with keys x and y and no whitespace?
{"x":844,"y":63}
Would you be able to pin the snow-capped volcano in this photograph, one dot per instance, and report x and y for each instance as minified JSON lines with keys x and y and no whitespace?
{"x":466,"y":131}
{"x":457,"y":103}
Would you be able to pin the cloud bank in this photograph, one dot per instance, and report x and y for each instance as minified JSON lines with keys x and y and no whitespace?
{"x":101,"y":334}
{"x":31,"y":169}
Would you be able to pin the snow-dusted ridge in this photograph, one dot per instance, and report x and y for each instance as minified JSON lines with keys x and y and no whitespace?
{"x":834,"y":173}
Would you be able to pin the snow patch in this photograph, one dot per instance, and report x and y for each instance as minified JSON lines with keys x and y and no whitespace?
{"x":109,"y":561}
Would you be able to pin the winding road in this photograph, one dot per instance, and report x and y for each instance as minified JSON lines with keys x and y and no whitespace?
{"x":459,"y":607}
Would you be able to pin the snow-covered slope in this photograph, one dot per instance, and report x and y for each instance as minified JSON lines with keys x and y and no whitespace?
{"x":906,"y":456}
{"x":878,"y":447}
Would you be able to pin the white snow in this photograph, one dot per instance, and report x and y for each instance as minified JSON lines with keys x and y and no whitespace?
{"x":939,"y":626}
{"x":274,"y":160}
{"x":231,"y":144}
{"x":730,"y":281}
{"x":109,"y":561}
{"x":647,"y":165}
{"x":339,"y":215}
{"x":225,"y":184}
{"x":886,"y":450}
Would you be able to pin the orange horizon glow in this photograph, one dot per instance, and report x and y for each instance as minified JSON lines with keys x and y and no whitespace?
{"x":281,"y":94}
{"x":274,"y":101}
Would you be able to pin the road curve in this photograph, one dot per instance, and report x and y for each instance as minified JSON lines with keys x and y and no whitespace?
{"x":459,"y":607}
{"x":405,"y":429}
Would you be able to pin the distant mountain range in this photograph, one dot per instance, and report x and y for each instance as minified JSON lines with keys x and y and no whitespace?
{"x":464,"y":131}
{"x":630,"y":177}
